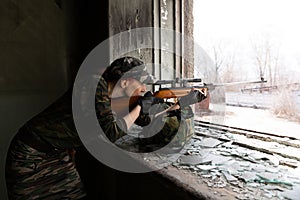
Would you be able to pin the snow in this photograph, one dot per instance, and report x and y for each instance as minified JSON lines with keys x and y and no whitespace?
{"x":254,"y":119}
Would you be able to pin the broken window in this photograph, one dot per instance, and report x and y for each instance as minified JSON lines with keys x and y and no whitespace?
{"x":254,"y":151}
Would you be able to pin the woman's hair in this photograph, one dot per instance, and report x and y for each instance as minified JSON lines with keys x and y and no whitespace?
{"x":120,"y":66}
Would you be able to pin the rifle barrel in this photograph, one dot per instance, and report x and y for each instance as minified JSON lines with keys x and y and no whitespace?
{"x":176,"y":80}
{"x":238,"y":83}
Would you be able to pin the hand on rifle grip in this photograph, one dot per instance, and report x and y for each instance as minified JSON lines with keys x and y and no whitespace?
{"x":193,"y":97}
{"x":147,"y":101}
{"x":143,"y":120}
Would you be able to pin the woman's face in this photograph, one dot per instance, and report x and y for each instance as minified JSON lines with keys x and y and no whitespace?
{"x":134,"y":87}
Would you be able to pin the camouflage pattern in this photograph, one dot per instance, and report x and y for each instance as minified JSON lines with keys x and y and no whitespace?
{"x":37,"y":174}
{"x":178,"y":128}
{"x":55,"y":124}
{"x":178,"y":125}
{"x":127,"y":67}
{"x":31,"y":174}
{"x":113,"y":127}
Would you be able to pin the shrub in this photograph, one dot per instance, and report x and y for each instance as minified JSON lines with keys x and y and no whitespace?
{"x":284,"y":105}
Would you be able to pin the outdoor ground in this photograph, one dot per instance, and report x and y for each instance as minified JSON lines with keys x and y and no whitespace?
{"x":281,"y":183}
{"x":260,"y":120}
{"x":253,"y":119}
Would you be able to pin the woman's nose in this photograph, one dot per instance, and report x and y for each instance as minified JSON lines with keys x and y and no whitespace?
{"x":143,"y":88}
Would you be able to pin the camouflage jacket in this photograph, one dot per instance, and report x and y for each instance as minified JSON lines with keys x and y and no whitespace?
{"x":113,"y":127}
{"x":55,"y":124}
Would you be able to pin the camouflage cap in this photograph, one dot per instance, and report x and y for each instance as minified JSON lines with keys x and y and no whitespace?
{"x":127,"y":67}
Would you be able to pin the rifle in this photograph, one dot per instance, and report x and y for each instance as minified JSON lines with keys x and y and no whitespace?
{"x":180,"y":87}
{"x":177,"y":88}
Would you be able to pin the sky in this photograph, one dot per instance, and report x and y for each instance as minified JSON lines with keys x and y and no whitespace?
{"x":236,"y":22}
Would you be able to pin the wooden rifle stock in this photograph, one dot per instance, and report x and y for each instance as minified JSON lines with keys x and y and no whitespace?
{"x":166,"y":93}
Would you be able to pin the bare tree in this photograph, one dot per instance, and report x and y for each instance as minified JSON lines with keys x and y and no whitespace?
{"x":266,"y":56}
{"x":217,"y":55}
{"x":225,"y":61}
{"x":228,"y":72}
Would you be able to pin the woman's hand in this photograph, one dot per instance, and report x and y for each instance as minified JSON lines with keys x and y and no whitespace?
{"x":147,"y":101}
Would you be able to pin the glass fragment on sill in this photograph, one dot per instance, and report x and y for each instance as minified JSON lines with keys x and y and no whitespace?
{"x":210,"y":142}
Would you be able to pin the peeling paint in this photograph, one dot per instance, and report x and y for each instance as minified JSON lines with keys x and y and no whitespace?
{"x":164,"y":12}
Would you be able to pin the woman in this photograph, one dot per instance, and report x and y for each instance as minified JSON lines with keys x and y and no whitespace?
{"x":40,"y":160}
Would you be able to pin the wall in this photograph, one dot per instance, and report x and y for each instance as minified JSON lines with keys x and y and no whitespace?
{"x":42,"y":45}
{"x":33,"y":68}
{"x":125,"y":15}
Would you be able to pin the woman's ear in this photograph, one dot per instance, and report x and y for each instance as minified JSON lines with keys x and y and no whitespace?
{"x":123,"y":83}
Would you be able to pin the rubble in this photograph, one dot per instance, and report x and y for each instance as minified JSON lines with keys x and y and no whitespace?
{"x":222,"y":160}
{"x":248,"y":173}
